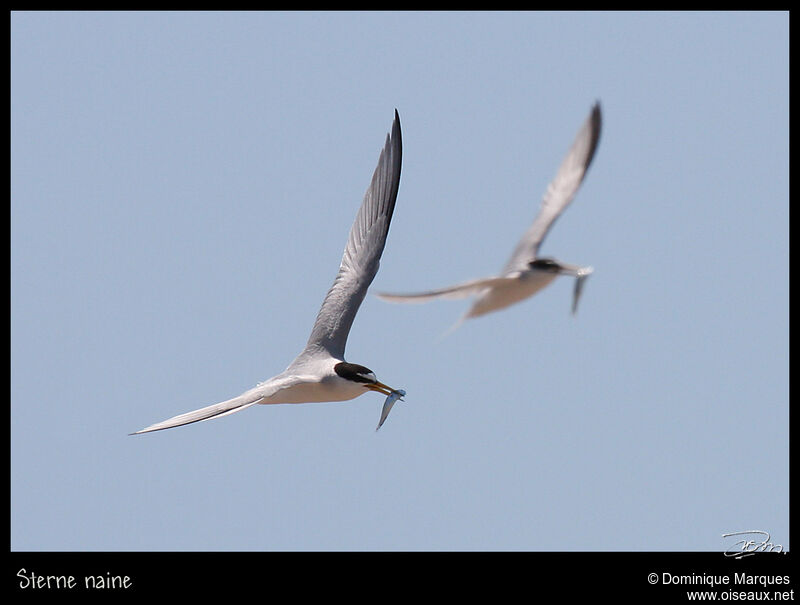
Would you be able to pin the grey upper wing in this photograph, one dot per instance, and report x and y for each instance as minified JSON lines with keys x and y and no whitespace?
{"x":362,"y":253}
{"x":560,"y":191}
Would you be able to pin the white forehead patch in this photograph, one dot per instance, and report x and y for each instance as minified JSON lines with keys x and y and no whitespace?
{"x":369,"y":376}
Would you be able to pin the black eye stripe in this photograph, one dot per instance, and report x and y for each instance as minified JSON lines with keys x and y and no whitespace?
{"x":354,"y":372}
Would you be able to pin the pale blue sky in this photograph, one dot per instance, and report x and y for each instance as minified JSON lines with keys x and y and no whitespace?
{"x":182,"y":188}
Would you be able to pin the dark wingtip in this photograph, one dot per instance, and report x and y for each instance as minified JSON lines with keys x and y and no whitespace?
{"x":596,"y":124}
{"x":396,"y":126}
{"x":397,"y":139}
{"x":597,"y":117}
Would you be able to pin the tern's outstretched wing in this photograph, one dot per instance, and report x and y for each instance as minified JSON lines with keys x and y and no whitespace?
{"x":362,"y":253}
{"x":462,"y":290}
{"x":245,"y":400}
{"x":559,"y":192}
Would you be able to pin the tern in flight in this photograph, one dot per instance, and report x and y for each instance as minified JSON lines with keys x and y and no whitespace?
{"x":526,"y":272}
{"x":320,"y":372}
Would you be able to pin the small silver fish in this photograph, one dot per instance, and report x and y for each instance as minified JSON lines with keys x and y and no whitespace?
{"x":582,"y":276}
{"x":387,"y":405}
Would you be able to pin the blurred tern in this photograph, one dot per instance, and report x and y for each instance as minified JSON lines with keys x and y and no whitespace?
{"x":320,"y":372}
{"x":526,"y":272}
